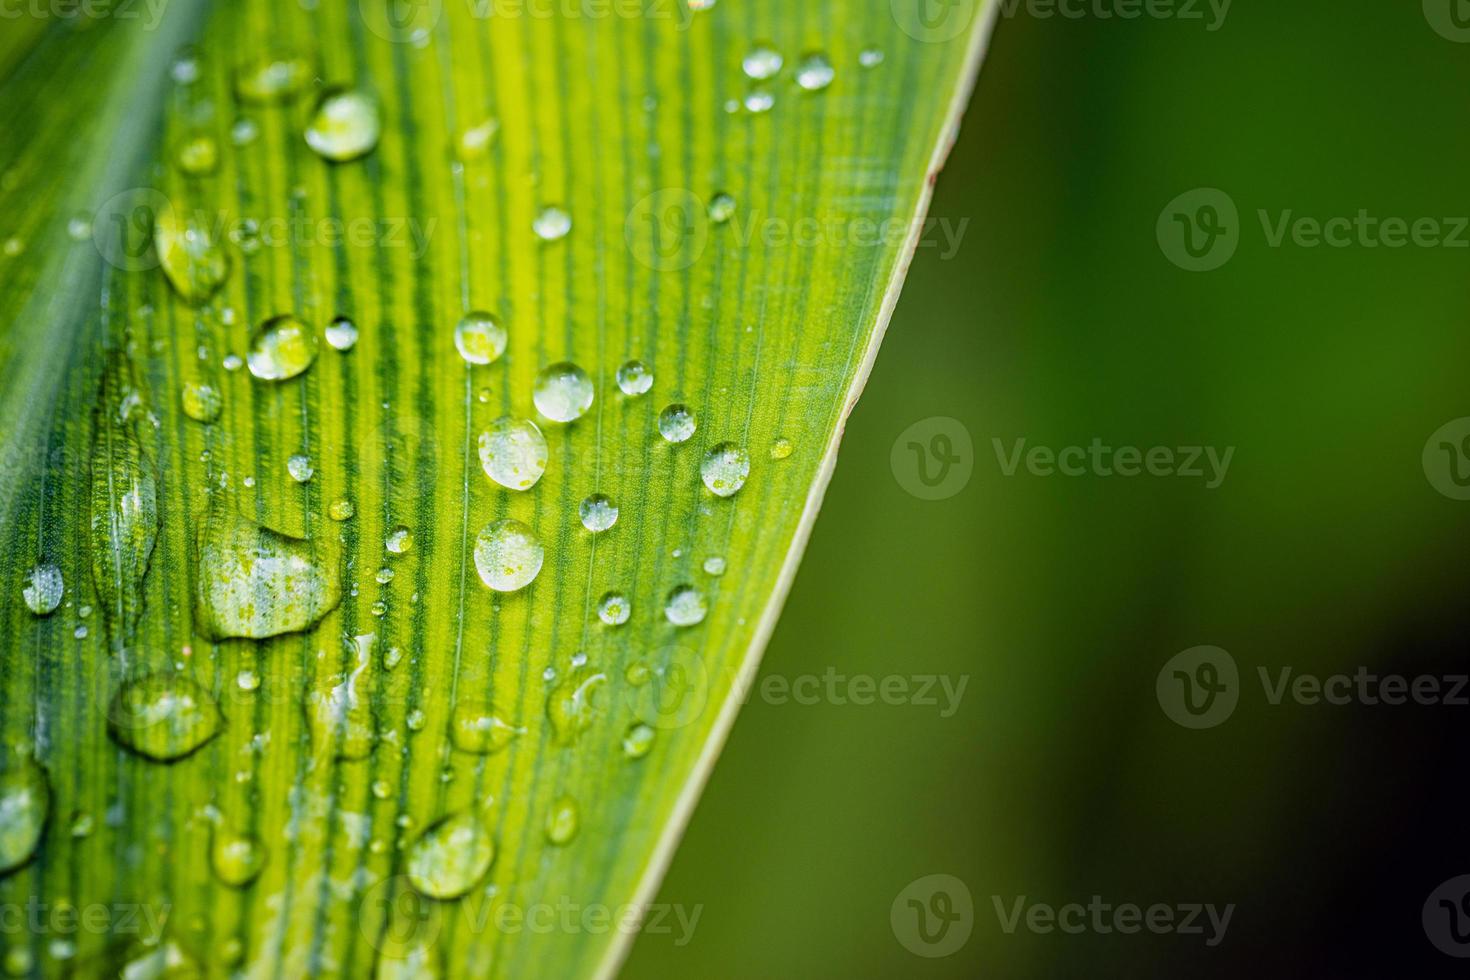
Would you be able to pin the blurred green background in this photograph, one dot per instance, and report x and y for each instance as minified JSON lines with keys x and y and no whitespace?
{"x":1326,"y":548}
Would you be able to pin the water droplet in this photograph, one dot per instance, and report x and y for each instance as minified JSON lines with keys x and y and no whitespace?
{"x":342,"y":334}
{"x":300,"y":468}
{"x":451,"y":856}
{"x":870,"y":57}
{"x":714,"y":565}
{"x":507,"y":555}
{"x":759,"y":101}
{"x":614,"y":609}
{"x":185,"y":70}
{"x":474,"y":143}
{"x":340,"y":717}
{"x":18,"y":960}
{"x":563,"y":392}
{"x":724,"y":469}
{"x":781,"y":449}
{"x":341,"y":509}
{"x":345,"y":126}
{"x":475,"y":727}
{"x":721,"y":208}
{"x":237,"y":859}
{"x":685,"y":606}
{"x":43,"y":590}
{"x":163,"y":717}
{"x":79,"y":228}
{"x":256,"y":582}
{"x":392,"y":657}
{"x":638,"y":740}
{"x":570,"y":706}
{"x":415,"y":720}
{"x":247,"y":680}
{"x":197,"y":156}
{"x":25,"y":804}
{"x":552,"y":223}
{"x":634,"y":378}
{"x":273,"y":77}
{"x":513,"y":453}
{"x":282,"y":348}
{"x":637,"y":673}
{"x":480,"y":338}
{"x":761,"y":63}
{"x":385,"y":575}
{"x":598,"y":513}
{"x":815,"y":72}
{"x":676,"y":423}
{"x":202,"y":402}
{"x":562,"y":821}
{"x":400,"y":540}
{"x":233,"y":362}
{"x":193,"y":262}
{"x":244,"y":132}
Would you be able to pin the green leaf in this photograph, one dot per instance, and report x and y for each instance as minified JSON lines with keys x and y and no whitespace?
{"x":337,"y":681}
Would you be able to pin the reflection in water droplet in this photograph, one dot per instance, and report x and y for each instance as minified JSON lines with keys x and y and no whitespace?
{"x":563,"y":392}
{"x":614,"y":609}
{"x":761,"y":63}
{"x":685,"y":606}
{"x":475,"y":727}
{"x":570,"y":705}
{"x":508,"y":555}
{"x":480,"y":338}
{"x":400,"y":541}
{"x":273,"y":77}
{"x":638,"y":740}
{"x":202,"y":402}
{"x":724,"y":469}
{"x":598,"y":513}
{"x":451,"y":856}
{"x":345,"y":126}
{"x":342,"y":334}
{"x":281,"y":348}
{"x":552,"y":223}
{"x":43,"y":589}
{"x":562,"y":821}
{"x":193,"y":262}
{"x":634,"y":378}
{"x":25,"y":804}
{"x":815,"y":72}
{"x":300,"y":468}
{"x":513,"y":453}
{"x":256,"y":582}
{"x":781,"y":449}
{"x":163,"y":717}
{"x":237,"y":859}
{"x":721,"y":208}
{"x":676,"y":423}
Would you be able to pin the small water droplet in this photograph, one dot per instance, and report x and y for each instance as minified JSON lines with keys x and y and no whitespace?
{"x":598,"y":512}
{"x":551,"y":224}
{"x":281,"y":348}
{"x":345,"y":126}
{"x":638,"y":740}
{"x":25,"y":804}
{"x":256,"y":582}
{"x":563,"y":392}
{"x":570,"y":706}
{"x":781,"y":449}
{"x":237,"y":858}
{"x":721,"y":208}
{"x":400,"y":540}
{"x":79,"y":228}
{"x":815,"y":72}
{"x":185,"y":69}
{"x":244,"y":132}
{"x":163,"y":717}
{"x":43,"y":589}
{"x":202,"y":402}
{"x":634,"y":378}
{"x":233,"y":362}
{"x":480,"y":338}
{"x":416,"y":720}
{"x":685,"y":606}
{"x":382,"y":789}
{"x":513,"y":453}
{"x":614,"y":609}
{"x":637,"y":673}
{"x":193,"y":262}
{"x":300,"y":468}
{"x":724,"y":469}
{"x":676,"y":423}
{"x":714,"y":565}
{"x":392,"y":657}
{"x":508,"y":555}
{"x":341,"y":509}
{"x":474,"y":143}
{"x":562,"y":821}
{"x":759,"y":100}
{"x":342,"y":334}
{"x":19,"y":962}
{"x":451,"y":856}
{"x":761,"y":63}
{"x":870,"y":57}
{"x":273,"y":77}
{"x":385,"y":575}
{"x":197,"y":156}
{"x":475,"y":727}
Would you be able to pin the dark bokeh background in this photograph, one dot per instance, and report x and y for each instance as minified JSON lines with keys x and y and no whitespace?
{"x":1326,"y":548}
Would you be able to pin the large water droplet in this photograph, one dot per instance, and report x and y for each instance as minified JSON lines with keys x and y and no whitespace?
{"x":163,"y":717}
{"x":281,"y":348}
{"x":237,"y":858}
{"x":202,"y":402}
{"x":614,"y":609}
{"x":341,"y":717}
{"x":475,"y":727}
{"x":25,"y":803}
{"x":571,"y":704}
{"x":634,"y":378}
{"x":563,"y":392}
{"x":685,"y":606}
{"x":342,"y":334}
{"x":638,"y":740}
{"x":724,"y":469}
{"x":513,"y":453}
{"x":761,"y":63}
{"x":598,"y":512}
{"x":676,"y":423}
{"x":273,"y":77}
{"x":124,"y":500}
{"x":193,"y":262}
{"x":480,"y":338}
{"x":552,"y":223}
{"x":256,"y":582}
{"x":562,"y":821}
{"x":345,"y":126}
{"x":451,"y":856}
{"x":508,"y":555}
{"x":43,"y":589}
{"x":815,"y":72}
